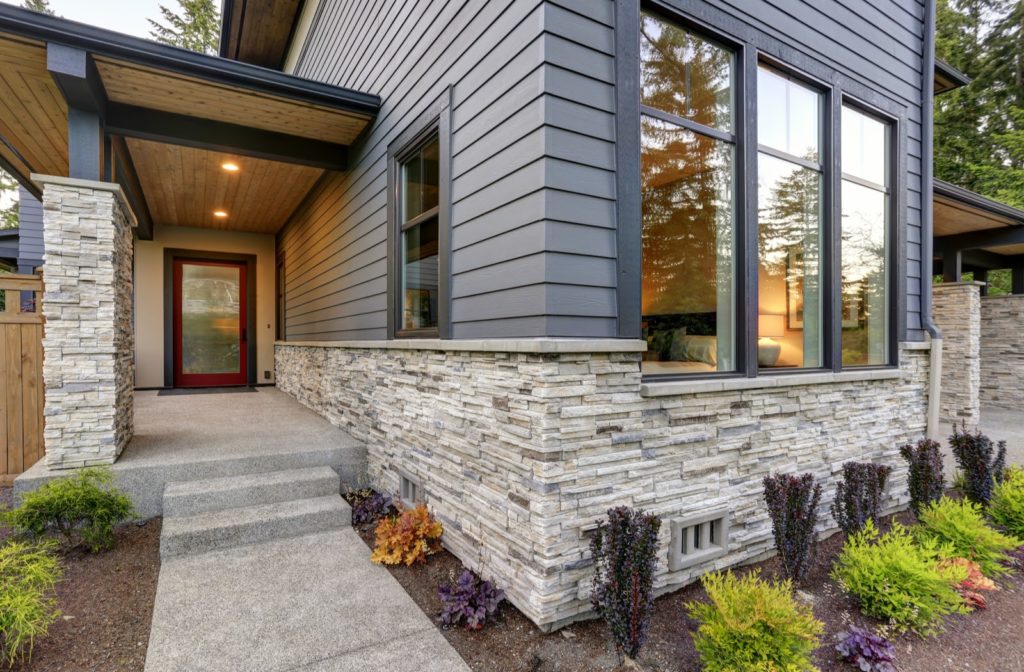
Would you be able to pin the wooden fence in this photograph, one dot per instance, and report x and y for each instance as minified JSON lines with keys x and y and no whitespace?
{"x":21,"y":374}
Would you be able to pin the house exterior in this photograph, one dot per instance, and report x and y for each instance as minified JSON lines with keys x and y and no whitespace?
{"x":542,"y":257}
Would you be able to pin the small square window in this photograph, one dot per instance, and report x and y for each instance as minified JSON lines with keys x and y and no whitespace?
{"x":409,"y":490}
{"x":698,"y":539}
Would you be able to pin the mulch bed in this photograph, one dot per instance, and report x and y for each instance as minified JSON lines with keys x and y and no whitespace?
{"x":989,"y":640}
{"x":106,"y":601}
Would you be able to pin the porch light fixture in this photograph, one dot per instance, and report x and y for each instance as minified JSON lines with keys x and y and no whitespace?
{"x":229,"y":166}
{"x":220,"y":213}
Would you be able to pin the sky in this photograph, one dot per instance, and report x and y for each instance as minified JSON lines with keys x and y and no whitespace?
{"x":124,"y":16}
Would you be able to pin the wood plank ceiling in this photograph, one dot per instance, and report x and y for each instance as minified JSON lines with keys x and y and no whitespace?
{"x":33,"y":114}
{"x":184,"y":186}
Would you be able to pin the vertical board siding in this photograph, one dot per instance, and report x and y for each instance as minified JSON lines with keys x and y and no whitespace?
{"x":533,"y":238}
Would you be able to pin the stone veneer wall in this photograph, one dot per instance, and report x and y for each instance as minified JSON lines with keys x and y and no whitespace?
{"x":1002,"y":351}
{"x":956,"y":311}
{"x":88,"y":370}
{"x":521,"y":454}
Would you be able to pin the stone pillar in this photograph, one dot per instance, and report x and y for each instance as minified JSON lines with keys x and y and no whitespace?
{"x":88,"y":368}
{"x":1002,"y":351}
{"x":956,"y":308}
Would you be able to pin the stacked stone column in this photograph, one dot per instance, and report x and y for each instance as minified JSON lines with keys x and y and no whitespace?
{"x":956,"y":308}
{"x":88,"y":368}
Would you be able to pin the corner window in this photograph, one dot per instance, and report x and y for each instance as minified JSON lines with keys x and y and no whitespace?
{"x":865,"y":231}
{"x":419,"y":189}
{"x":688,"y":161}
{"x":789,"y":193}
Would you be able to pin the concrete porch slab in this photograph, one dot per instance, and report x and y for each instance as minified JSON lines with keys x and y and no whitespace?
{"x":306,"y":603}
{"x":1005,"y":424}
{"x":191,"y":436}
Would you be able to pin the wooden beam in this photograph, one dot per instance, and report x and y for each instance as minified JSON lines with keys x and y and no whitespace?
{"x":1007,"y":235}
{"x":128,"y":178}
{"x":78,"y":80}
{"x":179,"y":129}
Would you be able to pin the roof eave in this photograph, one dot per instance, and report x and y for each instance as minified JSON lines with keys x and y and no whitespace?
{"x":977,"y":201}
{"x":104,"y":42}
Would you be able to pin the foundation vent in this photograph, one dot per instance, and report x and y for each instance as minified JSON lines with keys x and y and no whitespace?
{"x":698,"y":539}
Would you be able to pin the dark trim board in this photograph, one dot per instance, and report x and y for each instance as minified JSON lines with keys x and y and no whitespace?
{"x":170,"y":254}
{"x":212,"y":68}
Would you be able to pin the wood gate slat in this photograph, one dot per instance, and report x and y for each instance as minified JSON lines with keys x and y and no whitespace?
{"x":15,"y":430}
{"x":21,"y":377}
{"x":5,"y":447}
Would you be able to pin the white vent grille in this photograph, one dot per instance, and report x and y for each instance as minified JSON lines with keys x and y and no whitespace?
{"x":698,"y":539}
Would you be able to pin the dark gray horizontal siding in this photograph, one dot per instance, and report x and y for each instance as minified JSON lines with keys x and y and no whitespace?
{"x":334,"y":249}
{"x":30,"y":229}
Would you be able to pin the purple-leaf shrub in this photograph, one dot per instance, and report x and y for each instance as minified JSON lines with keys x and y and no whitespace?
{"x":625,"y":551}
{"x":793,"y":507}
{"x":927,"y":484}
{"x":859,"y":495}
{"x":981,"y":462}
{"x":469,"y":601}
{"x":370,"y":509}
{"x":866,"y":651}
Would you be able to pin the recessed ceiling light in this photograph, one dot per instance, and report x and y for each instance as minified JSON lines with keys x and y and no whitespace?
{"x":220,"y":213}
{"x":230,"y":167}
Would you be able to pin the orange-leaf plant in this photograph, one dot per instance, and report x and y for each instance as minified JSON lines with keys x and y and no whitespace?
{"x":970,"y":588}
{"x":407,"y":538}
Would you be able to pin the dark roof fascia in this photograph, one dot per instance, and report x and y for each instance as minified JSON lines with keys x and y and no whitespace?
{"x":10,"y":234}
{"x":977,"y":201}
{"x":228,"y":37}
{"x":104,"y":42}
{"x":948,"y":72}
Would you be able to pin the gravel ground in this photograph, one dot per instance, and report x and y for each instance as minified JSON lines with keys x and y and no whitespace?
{"x":106,"y":602}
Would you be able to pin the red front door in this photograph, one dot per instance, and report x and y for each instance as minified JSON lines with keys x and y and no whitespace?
{"x":210,"y":340}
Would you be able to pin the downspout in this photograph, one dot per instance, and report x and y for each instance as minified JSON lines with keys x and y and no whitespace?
{"x":927,"y":221}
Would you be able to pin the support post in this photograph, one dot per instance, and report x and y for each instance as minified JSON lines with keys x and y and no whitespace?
{"x":951,"y":265}
{"x":88,"y":368}
{"x":1017,"y":284}
{"x":79,"y":81}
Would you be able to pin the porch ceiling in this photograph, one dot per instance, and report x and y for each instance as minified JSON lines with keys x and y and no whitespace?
{"x":172,"y":118}
{"x":183,"y":186}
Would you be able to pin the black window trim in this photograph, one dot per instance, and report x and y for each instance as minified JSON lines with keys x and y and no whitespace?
{"x":435,"y":121}
{"x":751,"y":49}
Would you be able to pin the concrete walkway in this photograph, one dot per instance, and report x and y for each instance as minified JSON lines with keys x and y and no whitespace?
{"x":312,"y":603}
{"x":1004,"y":424}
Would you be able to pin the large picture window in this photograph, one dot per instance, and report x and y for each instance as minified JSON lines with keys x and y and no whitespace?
{"x":789,"y":194}
{"x":865,"y":238}
{"x":688,"y":157}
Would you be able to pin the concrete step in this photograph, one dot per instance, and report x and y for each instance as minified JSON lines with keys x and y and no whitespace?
{"x":188,"y":498}
{"x":213,"y":530}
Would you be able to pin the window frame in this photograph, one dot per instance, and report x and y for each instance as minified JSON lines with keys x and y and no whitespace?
{"x":752,"y":48}
{"x":896,"y":257}
{"x":629,"y":204}
{"x":434,"y":122}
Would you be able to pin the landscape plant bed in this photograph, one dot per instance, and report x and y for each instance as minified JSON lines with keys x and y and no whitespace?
{"x":106,"y":603}
{"x":983,"y":640}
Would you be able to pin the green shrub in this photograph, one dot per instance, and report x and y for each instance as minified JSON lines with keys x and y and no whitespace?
{"x":1007,"y":505}
{"x":896,"y":578}
{"x":82,"y":508}
{"x":28,"y":575}
{"x":960,"y":526}
{"x":752,"y":625}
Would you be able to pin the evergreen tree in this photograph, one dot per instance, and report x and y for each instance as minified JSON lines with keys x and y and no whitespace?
{"x":41,"y":6}
{"x":196,"y":28}
{"x":8,"y":201}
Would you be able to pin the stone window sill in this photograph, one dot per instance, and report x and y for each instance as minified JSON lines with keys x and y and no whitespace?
{"x":671,"y":388}
{"x":526,"y":345}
